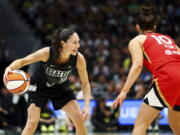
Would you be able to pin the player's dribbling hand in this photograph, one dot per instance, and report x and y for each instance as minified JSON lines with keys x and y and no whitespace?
{"x":5,"y":76}
{"x":119,"y":100}
{"x":85,"y":113}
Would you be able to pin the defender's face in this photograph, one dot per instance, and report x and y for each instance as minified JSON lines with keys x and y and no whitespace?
{"x":72,"y":44}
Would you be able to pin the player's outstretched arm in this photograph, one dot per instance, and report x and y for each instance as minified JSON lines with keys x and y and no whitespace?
{"x":82,"y":71}
{"x":136,"y":68}
{"x":40,"y":55}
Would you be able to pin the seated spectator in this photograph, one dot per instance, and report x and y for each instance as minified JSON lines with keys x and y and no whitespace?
{"x":7,"y":109}
{"x":100,"y":86}
{"x":20,"y":106}
{"x":154,"y":127}
{"x":3,"y":121}
{"x":103,"y":119}
{"x":139,"y":90}
{"x":47,"y":121}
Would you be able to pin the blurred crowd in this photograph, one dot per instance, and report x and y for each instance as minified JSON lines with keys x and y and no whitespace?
{"x":105,"y":28}
{"x":12,"y":111}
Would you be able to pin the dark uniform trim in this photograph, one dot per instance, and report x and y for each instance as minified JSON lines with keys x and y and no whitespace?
{"x":176,"y":108}
{"x":157,"y":94}
{"x":161,"y":95}
{"x":146,"y":56}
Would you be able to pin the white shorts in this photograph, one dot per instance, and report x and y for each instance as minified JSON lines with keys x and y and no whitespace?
{"x":152,"y":98}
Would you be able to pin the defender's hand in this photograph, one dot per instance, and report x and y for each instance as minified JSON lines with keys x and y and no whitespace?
{"x":119,"y":100}
{"x":85,"y":113}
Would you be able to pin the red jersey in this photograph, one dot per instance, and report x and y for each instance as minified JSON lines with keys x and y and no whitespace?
{"x":162,"y":59}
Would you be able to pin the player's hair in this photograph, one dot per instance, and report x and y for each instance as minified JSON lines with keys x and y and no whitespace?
{"x":147,"y":17}
{"x":61,"y":34}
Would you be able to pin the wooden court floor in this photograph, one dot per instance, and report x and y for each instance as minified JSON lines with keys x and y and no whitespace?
{"x":107,"y":134}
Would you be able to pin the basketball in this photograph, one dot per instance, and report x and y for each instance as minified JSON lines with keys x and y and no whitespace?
{"x":18,"y":82}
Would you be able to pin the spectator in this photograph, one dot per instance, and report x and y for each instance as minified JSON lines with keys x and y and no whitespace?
{"x":3,"y":121}
{"x":7,"y":108}
{"x":47,"y":120}
{"x":103,"y":118}
{"x":105,"y":33}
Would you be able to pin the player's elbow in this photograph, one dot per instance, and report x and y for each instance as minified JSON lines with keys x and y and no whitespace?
{"x":85,"y":84}
{"x":138,"y":65}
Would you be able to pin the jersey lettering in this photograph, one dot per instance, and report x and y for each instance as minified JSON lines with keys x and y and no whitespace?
{"x":56,"y":76}
{"x":162,"y":40}
{"x":57,"y":73}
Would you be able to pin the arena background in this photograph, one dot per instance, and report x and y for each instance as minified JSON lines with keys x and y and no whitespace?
{"x":105,"y":28}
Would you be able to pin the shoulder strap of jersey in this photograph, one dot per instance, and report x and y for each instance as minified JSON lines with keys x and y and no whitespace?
{"x":73,"y":60}
{"x":50,"y":59}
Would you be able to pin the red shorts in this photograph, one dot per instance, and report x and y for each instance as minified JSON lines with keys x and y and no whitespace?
{"x":168,"y":85}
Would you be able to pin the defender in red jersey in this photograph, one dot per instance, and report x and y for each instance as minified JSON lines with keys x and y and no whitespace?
{"x":161,"y":56}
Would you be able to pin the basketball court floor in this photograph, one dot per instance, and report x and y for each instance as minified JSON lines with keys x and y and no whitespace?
{"x":123,"y":134}
{"x":130,"y":134}
{"x":107,"y":134}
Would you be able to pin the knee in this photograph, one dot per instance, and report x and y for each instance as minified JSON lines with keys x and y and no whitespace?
{"x":78,"y":119}
{"x":141,"y":123}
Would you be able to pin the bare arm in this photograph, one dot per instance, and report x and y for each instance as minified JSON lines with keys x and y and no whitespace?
{"x":82,"y":71}
{"x":40,"y":55}
{"x":136,"y":68}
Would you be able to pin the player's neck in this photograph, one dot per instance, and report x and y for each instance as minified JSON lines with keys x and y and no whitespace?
{"x":147,"y":31}
{"x":64,"y":58}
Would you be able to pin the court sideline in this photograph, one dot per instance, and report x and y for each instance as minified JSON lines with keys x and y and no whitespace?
{"x":105,"y":134}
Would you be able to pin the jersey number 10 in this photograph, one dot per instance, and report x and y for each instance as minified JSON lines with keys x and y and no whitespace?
{"x":162,"y":39}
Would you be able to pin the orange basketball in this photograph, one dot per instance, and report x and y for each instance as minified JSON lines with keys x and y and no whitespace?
{"x":18,"y":82}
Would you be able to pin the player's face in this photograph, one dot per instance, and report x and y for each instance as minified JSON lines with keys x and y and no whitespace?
{"x":72,"y":44}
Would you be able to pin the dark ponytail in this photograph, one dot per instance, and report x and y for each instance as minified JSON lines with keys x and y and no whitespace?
{"x":147,"y":17}
{"x":60,"y":35}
